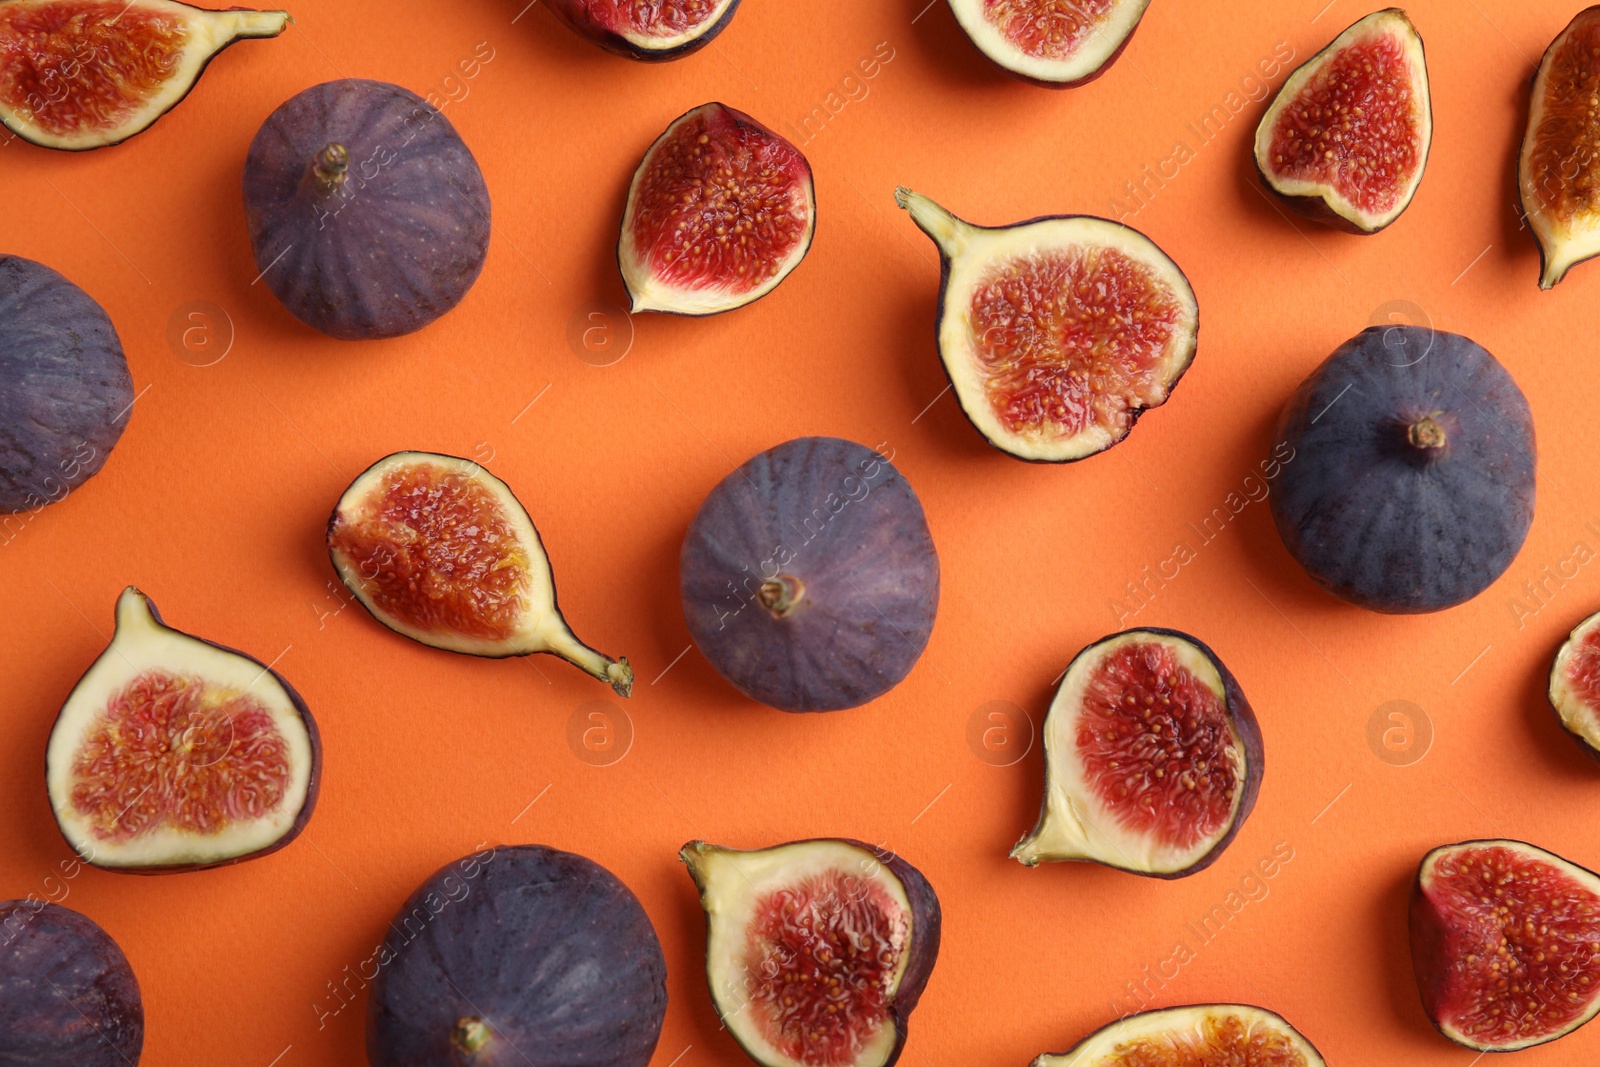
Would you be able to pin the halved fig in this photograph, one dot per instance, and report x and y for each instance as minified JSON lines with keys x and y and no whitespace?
{"x":1559,"y":174}
{"x":176,"y":754}
{"x":1057,"y":333}
{"x":1153,"y":758}
{"x":720,"y":211}
{"x":81,"y":74}
{"x":1505,"y":942}
{"x":661,"y":30}
{"x":1574,"y":691}
{"x":1346,"y":139}
{"x":1054,"y":43}
{"x":1195,"y":1035}
{"x":816,"y":951}
{"x":439,"y":550}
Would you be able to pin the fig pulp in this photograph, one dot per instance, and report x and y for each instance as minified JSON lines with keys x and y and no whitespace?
{"x":720,"y":211}
{"x":1059,"y":332}
{"x":1153,"y":758}
{"x":1559,"y":173}
{"x":81,"y":74}
{"x":1574,"y":691}
{"x":65,"y":390}
{"x":517,"y":955}
{"x":176,"y":754}
{"x":1346,"y":139}
{"x":368,"y":214}
{"x":664,"y":29}
{"x":1505,"y":941}
{"x":1054,"y":43}
{"x":1196,"y":1035}
{"x":1411,"y":486}
{"x":439,"y":550}
{"x":816,"y":951}
{"x":809,"y":577}
{"x":67,"y":995}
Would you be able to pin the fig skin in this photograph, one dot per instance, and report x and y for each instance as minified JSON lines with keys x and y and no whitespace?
{"x":577,"y":15}
{"x":1048,"y":83}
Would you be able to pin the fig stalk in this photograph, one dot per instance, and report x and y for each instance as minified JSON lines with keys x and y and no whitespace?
{"x":471,"y":1035}
{"x":1427,"y":436}
{"x":946,"y":231}
{"x":331,"y":166}
{"x":780,"y":595}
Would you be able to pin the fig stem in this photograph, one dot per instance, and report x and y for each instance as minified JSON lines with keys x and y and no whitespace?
{"x":470,"y":1035}
{"x":944,"y":228}
{"x":1427,"y":435}
{"x":331,"y":166}
{"x":614,"y":672}
{"x":780,"y":595}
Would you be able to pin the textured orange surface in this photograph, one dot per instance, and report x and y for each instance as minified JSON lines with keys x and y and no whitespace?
{"x":249,"y":425}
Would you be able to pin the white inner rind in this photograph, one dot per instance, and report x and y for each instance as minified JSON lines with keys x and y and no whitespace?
{"x":733,"y":883}
{"x":1176,"y":1027}
{"x":1575,"y":712}
{"x":1565,"y":243}
{"x":1093,"y":53}
{"x":1074,"y":824}
{"x":667,"y":42}
{"x":209,"y":32}
{"x":1378,"y":24}
{"x":142,"y":644}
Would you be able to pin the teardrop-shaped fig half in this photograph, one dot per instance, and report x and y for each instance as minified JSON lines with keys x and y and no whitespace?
{"x":1054,"y":43}
{"x":1153,"y":758}
{"x":81,"y":74}
{"x":1059,"y":332}
{"x":439,"y":550}
{"x":176,"y":754}
{"x":653,"y":32}
{"x":1574,"y":691}
{"x":720,"y":212}
{"x":1195,"y":1035}
{"x":816,"y":951}
{"x":1505,"y":942}
{"x":1559,"y":172}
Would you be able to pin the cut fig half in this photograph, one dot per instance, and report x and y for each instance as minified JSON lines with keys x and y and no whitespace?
{"x":1559,"y":171}
{"x":1059,"y":332}
{"x":175,"y":754}
{"x":1195,"y":1035}
{"x":1574,"y":691}
{"x":82,"y":74}
{"x":1054,"y":43}
{"x":1153,"y":758}
{"x":439,"y":550}
{"x":653,"y":32}
{"x":720,"y":212}
{"x":1346,"y":139}
{"x":1505,"y":942}
{"x":816,"y":951}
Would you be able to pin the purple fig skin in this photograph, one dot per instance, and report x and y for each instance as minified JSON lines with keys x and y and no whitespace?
{"x":576,"y":14}
{"x":1582,"y":742}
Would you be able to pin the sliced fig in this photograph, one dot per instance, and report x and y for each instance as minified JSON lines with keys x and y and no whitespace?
{"x":1505,"y":941}
{"x":816,"y":951}
{"x":176,"y":754}
{"x":517,"y":955}
{"x":1559,"y":172}
{"x":1195,"y":1035}
{"x":1055,"y":43}
{"x":68,"y":997}
{"x":1057,"y":333}
{"x":368,"y":215}
{"x":439,"y":550}
{"x":809,"y":577}
{"x":1153,"y":758}
{"x":1575,"y":685}
{"x":1346,"y":140}
{"x":720,"y":212}
{"x":656,"y":31}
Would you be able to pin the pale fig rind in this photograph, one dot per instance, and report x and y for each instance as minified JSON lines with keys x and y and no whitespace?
{"x":1104,"y":46}
{"x":1187,"y":1024}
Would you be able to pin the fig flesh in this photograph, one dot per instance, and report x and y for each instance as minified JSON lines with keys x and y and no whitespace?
{"x":1059,"y":332}
{"x":1559,"y":171}
{"x":439,"y":550}
{"x":719,"y":213}
{"x":82,"y":74}
{"x":516,"y":955}
{"x":1153,"y":758}
{"x":1411,"y":487}
{"x":665,"y":29}
{"x":68,"y":997}
{"x":1346,"y":140}
{"x":1574,"y":691}
{"x":1195,"y":1035}
{"x":176,"y":754}
{"x":816,"y":951}
{"x":809,"y":577}
{"x":1503,"y":942}
{"x":1054,"y":43}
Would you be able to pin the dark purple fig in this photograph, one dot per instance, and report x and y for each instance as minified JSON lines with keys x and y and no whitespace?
{"x":809,"y":577}
{"x":653,"y":32}
{"x":1153,"y":758}
{"x":367,"y":212}
{"x":816,"y":951}
{"x":176,"y":754}
{"x":67,"y":995}
{"x":515,"y":955}
{"x":1574,"y":691}
{"x":1559,"y":169}
{"x":1050,"y":43}
{"x":1194,"y":1035}
{"x":1409,"y":485}
{"x":65,"y":390}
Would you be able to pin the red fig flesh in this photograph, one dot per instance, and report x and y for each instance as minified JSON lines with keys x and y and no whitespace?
{"x":655,"y":31}
{"x":1054,"y":43}
{"x":1575,"y":685}
{"x":1560,"y":166}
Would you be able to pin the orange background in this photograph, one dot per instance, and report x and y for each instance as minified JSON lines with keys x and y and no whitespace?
{"x":215,"y":500}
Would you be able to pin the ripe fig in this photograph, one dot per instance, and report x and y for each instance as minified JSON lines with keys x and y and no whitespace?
{"x":65,"y":390}
{"x":176,"y":754}
{"x":1346,"y":139}
{"x":1504,"y":942}
{"x":1058,"y":44}
{"x":809,"y":577}
{"x":661,"y":30}
{"x":720,"y":212}
{"x":368,"y":214}
{"x":515,"y":955}
{"x":439,"y":550}
{"x":1195,"y":1035}
{"x":1153,"y":758}
{"x":1057,"y":333}
{"x":816,"y":951}
{"x":1574,"y":691}
{"x":82,"y":74}
{"x":1559,"y":173}
{"x":67,"y":995}
{"x":1411,"y":483}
